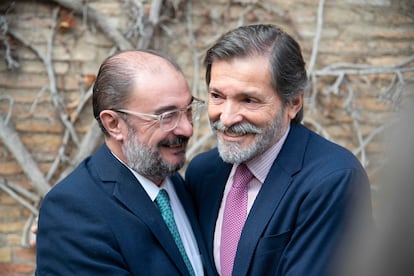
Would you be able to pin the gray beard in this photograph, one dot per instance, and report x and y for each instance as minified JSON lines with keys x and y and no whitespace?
{"x":147,"y":161}
{"x":233,"y":153}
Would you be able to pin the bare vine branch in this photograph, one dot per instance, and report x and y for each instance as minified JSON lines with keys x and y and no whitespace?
{"x":47,"y":61}
{"x":144,"y":25}
{"x":27,"y":235}
{"x":9,"y":112}
{"x":80,"y":8}
{"x":317,"y":38}
{"x":11,"y":192}
{"x":148,"y":27}
{"x":89,"y":143}
{"x":57,"y":100}
{"x":341,"y":70}
{"x":12,"y":140}
{"x":4,"y":27}
{"x":317,"y":126}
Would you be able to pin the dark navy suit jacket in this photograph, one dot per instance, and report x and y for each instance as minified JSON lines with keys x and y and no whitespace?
{"x":100,"y":221}
{"x":300,"y":213}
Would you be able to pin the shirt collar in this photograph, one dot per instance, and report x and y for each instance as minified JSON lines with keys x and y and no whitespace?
{"x":150,"y":187}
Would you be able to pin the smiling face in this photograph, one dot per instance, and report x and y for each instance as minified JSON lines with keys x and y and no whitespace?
{"x":245,"y":112}
{"x":148,"y":149}
{"x":132,"y":90}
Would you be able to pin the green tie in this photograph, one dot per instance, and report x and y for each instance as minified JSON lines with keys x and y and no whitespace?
{"x":163,"y":203}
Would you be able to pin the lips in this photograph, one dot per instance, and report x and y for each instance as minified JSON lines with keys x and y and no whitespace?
{"x":175,"y":146}
{"x":176,"y":142}
{"x":234,"y":134}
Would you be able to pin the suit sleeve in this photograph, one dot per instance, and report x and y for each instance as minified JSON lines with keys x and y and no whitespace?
{"x":72,"y":238}
{"x":322,"y":222}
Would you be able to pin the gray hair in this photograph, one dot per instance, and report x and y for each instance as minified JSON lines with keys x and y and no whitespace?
{"x":289,"y":78}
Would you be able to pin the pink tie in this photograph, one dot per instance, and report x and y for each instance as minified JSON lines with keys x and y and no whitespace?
{"x":235,"y":213}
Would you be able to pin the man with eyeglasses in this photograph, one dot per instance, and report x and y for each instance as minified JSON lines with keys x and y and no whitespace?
{"x":124,"y":210}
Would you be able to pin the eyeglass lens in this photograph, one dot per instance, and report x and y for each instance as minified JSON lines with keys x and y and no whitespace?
{"x":169,"y":120}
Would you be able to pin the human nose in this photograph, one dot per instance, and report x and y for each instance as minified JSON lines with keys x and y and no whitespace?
{"x":184,"y":126}
{"x":230,"y":114}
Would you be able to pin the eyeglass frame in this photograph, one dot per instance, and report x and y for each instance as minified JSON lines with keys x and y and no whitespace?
{"x":159,"y":117}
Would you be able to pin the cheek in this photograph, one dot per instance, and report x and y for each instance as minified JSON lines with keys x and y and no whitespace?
{"x":148,"y":137}
{"x":213,"y":112}
{"x":262,"y":119}
{"x":258,"y":120}
{"x":154,"y":139}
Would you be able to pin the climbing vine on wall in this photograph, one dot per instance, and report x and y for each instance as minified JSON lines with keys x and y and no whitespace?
{"x":149,"y":23}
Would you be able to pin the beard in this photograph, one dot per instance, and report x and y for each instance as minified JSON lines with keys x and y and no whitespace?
{"x":233,"y":152}
{"x":146,"y":160}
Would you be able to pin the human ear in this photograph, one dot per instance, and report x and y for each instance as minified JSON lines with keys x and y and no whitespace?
{"x":295,"y":105}
{"x":112,"y":123}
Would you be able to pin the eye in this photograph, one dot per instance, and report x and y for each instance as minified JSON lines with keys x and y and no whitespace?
{"x":215,"y":95}
{"x":250,"y":100}
{"x":169,"y":116}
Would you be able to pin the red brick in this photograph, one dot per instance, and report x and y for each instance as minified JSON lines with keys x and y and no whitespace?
{"x":39,"y":125}
{"x":24,"y":81}
{"x":24,"y":255}
{"x":16,"y":269}
{"x":10,"y":168}
{"x":11,"y":227}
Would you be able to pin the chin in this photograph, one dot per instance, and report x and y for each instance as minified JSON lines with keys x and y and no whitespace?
{"x":177,"y":163}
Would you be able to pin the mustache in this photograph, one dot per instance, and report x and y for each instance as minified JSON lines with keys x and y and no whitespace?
{"x":177,"y":140}
{"x":241,"y":128}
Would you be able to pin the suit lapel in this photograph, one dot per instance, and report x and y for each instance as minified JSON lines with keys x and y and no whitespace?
{"x":132,"y":195}
{"x":188,"y":206}
{"x":214,"y":196}
{"x":184,"y":197}
{"x":262,"y":210}
{"x":267,"y":201}
{"x":138,"y":202}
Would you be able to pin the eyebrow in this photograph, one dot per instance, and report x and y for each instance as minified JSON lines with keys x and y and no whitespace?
{"x":240,"y":94}
{"x":214,"y":89}
{"x":170,"y":107}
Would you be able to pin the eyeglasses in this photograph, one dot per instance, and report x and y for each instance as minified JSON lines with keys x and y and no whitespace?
{"x":169,"y":119}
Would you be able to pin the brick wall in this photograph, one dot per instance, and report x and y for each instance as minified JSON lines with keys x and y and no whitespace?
{"x":375,"y":33}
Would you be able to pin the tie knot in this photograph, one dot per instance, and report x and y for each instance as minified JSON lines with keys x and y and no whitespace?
{"x":162,"y":199}
{"x":242,"y":176}
{"x":162,"y":195}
